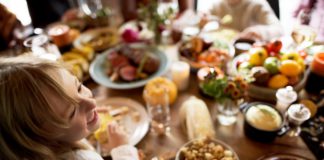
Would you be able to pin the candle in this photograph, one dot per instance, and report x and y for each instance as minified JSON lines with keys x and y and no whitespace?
{"x":60,"y":34}
{"x":180,"y":72}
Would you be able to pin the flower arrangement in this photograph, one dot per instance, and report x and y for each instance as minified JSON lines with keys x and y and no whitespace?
{"x":156,"y":21}
{"x":224,"y":87}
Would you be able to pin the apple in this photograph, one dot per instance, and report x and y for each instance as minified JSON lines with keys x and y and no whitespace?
{"x":272,"y":65}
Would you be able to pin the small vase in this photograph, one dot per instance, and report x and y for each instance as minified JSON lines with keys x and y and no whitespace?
{"x":227,"y":111}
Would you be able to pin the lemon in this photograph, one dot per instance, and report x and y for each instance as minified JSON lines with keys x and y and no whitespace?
{"x":310,"y":105}
{"x":257,"y":56}
{"x":278,"y":81}
{"x":291,"y":56}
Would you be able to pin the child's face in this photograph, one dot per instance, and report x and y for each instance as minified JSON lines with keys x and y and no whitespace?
{"x":83,"y":118}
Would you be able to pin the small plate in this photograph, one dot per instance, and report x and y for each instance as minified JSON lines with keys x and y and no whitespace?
{"x":98,"y":74}
{"x":87,"y":36}
{"x":135,"y":121}
{"x":282,"y":156}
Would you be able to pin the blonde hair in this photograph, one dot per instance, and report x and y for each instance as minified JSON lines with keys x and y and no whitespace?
{"x":24,"y":109}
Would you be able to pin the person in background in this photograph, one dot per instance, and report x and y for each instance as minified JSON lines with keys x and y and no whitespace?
{"x":253,"y":18}
{"x":129,"y":7}
{"x":8,"y":23}
{"x":46,"y":113}
{"x":44,"y":12}
{"x":311,"y":12}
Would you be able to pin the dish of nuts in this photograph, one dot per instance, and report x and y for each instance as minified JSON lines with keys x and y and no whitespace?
{"x":206,"y":149}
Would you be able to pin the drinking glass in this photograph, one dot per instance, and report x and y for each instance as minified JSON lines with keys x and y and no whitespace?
{"x":227,"y":111}
{"x":39,"y":46}
{"x":157,"y":103}
{"x":303,"y":36}
{"x":90,"y":7}
{"x":296,"y":115}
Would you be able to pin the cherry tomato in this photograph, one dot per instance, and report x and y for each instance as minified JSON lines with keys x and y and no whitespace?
{"x":276,"y":46}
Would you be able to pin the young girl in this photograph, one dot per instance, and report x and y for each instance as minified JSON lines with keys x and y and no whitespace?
{"x":46,"y":113}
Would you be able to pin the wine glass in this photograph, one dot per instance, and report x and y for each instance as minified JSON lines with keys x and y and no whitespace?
{"x":296,"y":115}
{"x":90,"y":7}
{"x":302,"y":34}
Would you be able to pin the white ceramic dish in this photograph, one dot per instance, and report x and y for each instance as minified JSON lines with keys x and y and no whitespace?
{"x":98,"y":71}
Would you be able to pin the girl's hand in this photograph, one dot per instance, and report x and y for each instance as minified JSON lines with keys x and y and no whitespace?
{"x":116,"y":136}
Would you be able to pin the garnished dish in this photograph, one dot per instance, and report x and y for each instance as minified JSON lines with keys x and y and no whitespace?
{"x":128,"y":66}
{"x":206,"y":148}
{"x":128,"y":114}
{"x":200,"y":53}
{"x":99,"y":39}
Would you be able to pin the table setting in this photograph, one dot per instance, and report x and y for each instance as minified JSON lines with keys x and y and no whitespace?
{"x":194,"y":93}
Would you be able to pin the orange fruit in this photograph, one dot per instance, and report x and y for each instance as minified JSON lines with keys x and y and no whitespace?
{"x":290,"y":68}
{"x":157,"y":86}
{"x":278,"y":81}
{"x":310,"y":105}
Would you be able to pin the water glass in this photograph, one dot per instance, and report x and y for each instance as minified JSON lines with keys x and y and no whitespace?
{"x":227,"y":111}
{"x":157,"y":103}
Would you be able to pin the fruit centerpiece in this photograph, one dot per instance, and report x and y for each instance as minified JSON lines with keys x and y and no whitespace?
{"x":271,"y":69}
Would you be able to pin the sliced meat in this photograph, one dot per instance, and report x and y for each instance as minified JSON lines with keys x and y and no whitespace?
{"x":119,"y":61}
{"x":151,"y":65}
{"x":112,"y":56}
{"x":128,"y":73}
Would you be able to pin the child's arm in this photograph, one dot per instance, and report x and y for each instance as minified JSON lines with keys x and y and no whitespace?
{"x":119,"y":142}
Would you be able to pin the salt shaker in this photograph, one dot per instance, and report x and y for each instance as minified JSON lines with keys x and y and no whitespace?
{"x":297,"y":114}
{"x":285,"y":96}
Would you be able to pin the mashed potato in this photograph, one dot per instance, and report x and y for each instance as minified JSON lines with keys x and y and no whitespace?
{"x":263,"y":117}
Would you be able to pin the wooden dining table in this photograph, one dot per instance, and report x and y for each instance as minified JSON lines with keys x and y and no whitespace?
{"x":166,"y":146}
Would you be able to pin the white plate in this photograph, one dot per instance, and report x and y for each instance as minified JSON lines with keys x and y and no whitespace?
{"x":89,"y":35}
{"x":136,"y":129}
{"x":98,"y":71}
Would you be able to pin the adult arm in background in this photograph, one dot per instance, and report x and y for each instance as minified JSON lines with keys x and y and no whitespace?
{"x":8,"y":22}
{"x":253,"y":18}
{"x":267,"y":25}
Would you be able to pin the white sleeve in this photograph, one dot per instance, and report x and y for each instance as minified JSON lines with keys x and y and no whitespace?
{"x":81,"y":154}
{"x":124,"y":152}
{"x":87,"y":155}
